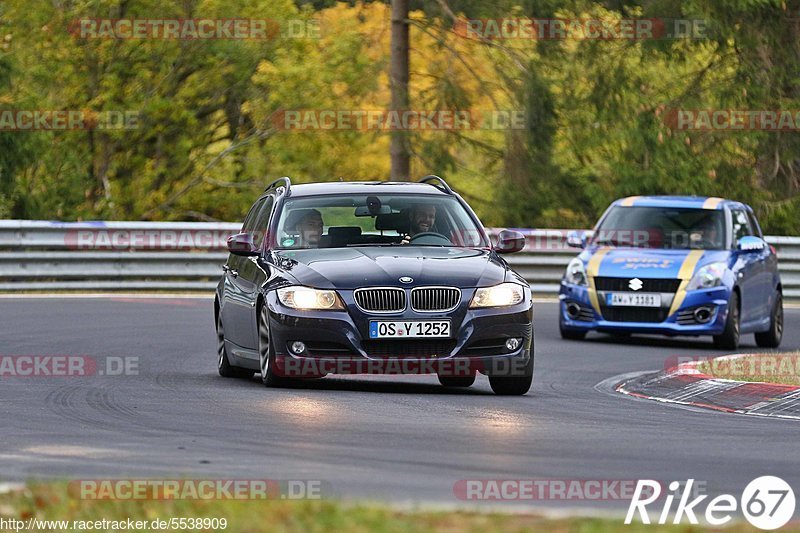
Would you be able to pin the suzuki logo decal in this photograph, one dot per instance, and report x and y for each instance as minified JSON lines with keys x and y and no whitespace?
{"x":635,"y":284}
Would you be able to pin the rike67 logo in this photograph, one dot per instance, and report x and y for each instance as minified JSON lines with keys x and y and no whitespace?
{"x":767,"y":503}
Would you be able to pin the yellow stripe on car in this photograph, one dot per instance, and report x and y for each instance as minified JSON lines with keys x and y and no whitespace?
{"x":711,"y":203}
{"x":627,"y":202}
{"x":592,"y":270}
{"x":685,"y":275}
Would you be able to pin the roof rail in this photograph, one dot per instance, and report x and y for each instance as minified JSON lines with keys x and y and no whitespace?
{"x":285,"y":179}
{"x":444,"y":186}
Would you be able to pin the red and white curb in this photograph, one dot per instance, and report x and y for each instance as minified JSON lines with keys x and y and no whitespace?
{"x":686,"y":385}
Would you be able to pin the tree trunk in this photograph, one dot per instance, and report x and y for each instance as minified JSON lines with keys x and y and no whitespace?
{"x":398,"y":72}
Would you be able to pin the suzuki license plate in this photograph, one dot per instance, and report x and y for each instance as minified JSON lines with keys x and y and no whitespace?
{"x":630,"y":299}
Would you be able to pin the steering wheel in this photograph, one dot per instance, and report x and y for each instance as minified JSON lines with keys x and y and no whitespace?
{"x":429,"y":237}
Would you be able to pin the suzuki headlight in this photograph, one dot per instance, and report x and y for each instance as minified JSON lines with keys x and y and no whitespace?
{"x":576,"y":273}
{"x":306,"y":298}
{"x":498,"y":296}
{"x":708,"y":276}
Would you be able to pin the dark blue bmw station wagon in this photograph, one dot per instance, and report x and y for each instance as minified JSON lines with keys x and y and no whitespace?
{"x":372,"y":277}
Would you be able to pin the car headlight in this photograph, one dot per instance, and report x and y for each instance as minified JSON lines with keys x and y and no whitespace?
{"x":576,"y":273}
{"x":498,"y":296}
{"x":306,"y":298}
{"x":708,"y":276}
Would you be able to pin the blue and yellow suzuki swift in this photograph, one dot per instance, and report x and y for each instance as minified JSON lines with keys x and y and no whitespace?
{"x":674,"y":265}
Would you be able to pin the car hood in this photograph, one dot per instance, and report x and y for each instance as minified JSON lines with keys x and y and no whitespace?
{"x":351,"y":268}
{"x":649,"y":263}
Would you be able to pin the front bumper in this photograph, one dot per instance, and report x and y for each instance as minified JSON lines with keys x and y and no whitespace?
{"x":338,"y":341}
{"x":676,"y":323}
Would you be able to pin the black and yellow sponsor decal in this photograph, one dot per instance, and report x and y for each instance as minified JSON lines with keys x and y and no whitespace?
{"x":685,"y":275}
{"x":592,"y":269}
{"x":627,"y":202}
{"x":711,"y":203}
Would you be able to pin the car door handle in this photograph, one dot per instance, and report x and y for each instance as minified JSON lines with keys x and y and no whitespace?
{"x":232,"y":271}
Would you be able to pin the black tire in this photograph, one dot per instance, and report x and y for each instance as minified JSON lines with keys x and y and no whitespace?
{"x":772,"y":338}
{"x":571,"y":334}
{"x":457,"y":381}
{"x":266,"y":353}
{"x":514,"y":385}
{"x":729,"y":339}
{"x":224,"y":367}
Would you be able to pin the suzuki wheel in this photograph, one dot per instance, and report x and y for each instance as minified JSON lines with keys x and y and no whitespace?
{"x":772,"y":337}
{"x":729,"y":339}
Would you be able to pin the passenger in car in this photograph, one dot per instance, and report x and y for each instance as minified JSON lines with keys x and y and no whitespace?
{"x":308,"y":223}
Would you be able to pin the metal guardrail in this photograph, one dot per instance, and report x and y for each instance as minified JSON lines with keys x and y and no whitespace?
{"x":188,"y":256}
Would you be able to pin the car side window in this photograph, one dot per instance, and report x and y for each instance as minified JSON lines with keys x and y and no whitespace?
{"x":262,"y":220}
{"x":250,"y":219}
{"x":754,"y":224}
{"x":741,"y":225}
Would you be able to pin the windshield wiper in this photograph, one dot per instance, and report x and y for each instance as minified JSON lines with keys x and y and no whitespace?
{"x":373,"y":244}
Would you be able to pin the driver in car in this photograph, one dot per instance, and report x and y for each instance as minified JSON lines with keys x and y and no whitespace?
{"x":422,"y":218}
{"x":704,"y":236}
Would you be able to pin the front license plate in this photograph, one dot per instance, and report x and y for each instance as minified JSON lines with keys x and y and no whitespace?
{"x":382,"y":329}
{"x":630,"y":299}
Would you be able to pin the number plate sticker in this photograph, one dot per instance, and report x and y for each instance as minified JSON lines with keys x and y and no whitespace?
{"x":401,"y":329}
{"x":633,"y":299}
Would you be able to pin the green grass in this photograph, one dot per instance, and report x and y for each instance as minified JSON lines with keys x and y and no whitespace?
{"x":767,"y":367}
{"x":52,"y":502}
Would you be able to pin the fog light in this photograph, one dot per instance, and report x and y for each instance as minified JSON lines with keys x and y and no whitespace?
{"x":298,"y":347}
{"x":573,"y":310}
{"x":703,"y":314}
{"x":513,"y":344}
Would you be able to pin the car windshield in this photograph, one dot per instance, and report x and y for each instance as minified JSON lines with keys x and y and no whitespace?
{"x":339,"y":221}
{"x":662,"y":227}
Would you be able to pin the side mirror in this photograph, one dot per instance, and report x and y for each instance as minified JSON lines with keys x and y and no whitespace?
{"x":575,"y":239}
{"x":750,"y":244}
{"x":510,"y":241}
{"x":578,"y":238}
{"x":242,"y":244}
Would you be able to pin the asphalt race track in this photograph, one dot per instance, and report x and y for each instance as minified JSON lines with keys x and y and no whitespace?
{"x":399,"y":439}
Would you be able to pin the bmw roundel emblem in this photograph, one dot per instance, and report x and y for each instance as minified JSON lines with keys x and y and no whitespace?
{"x":406,"y":279}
